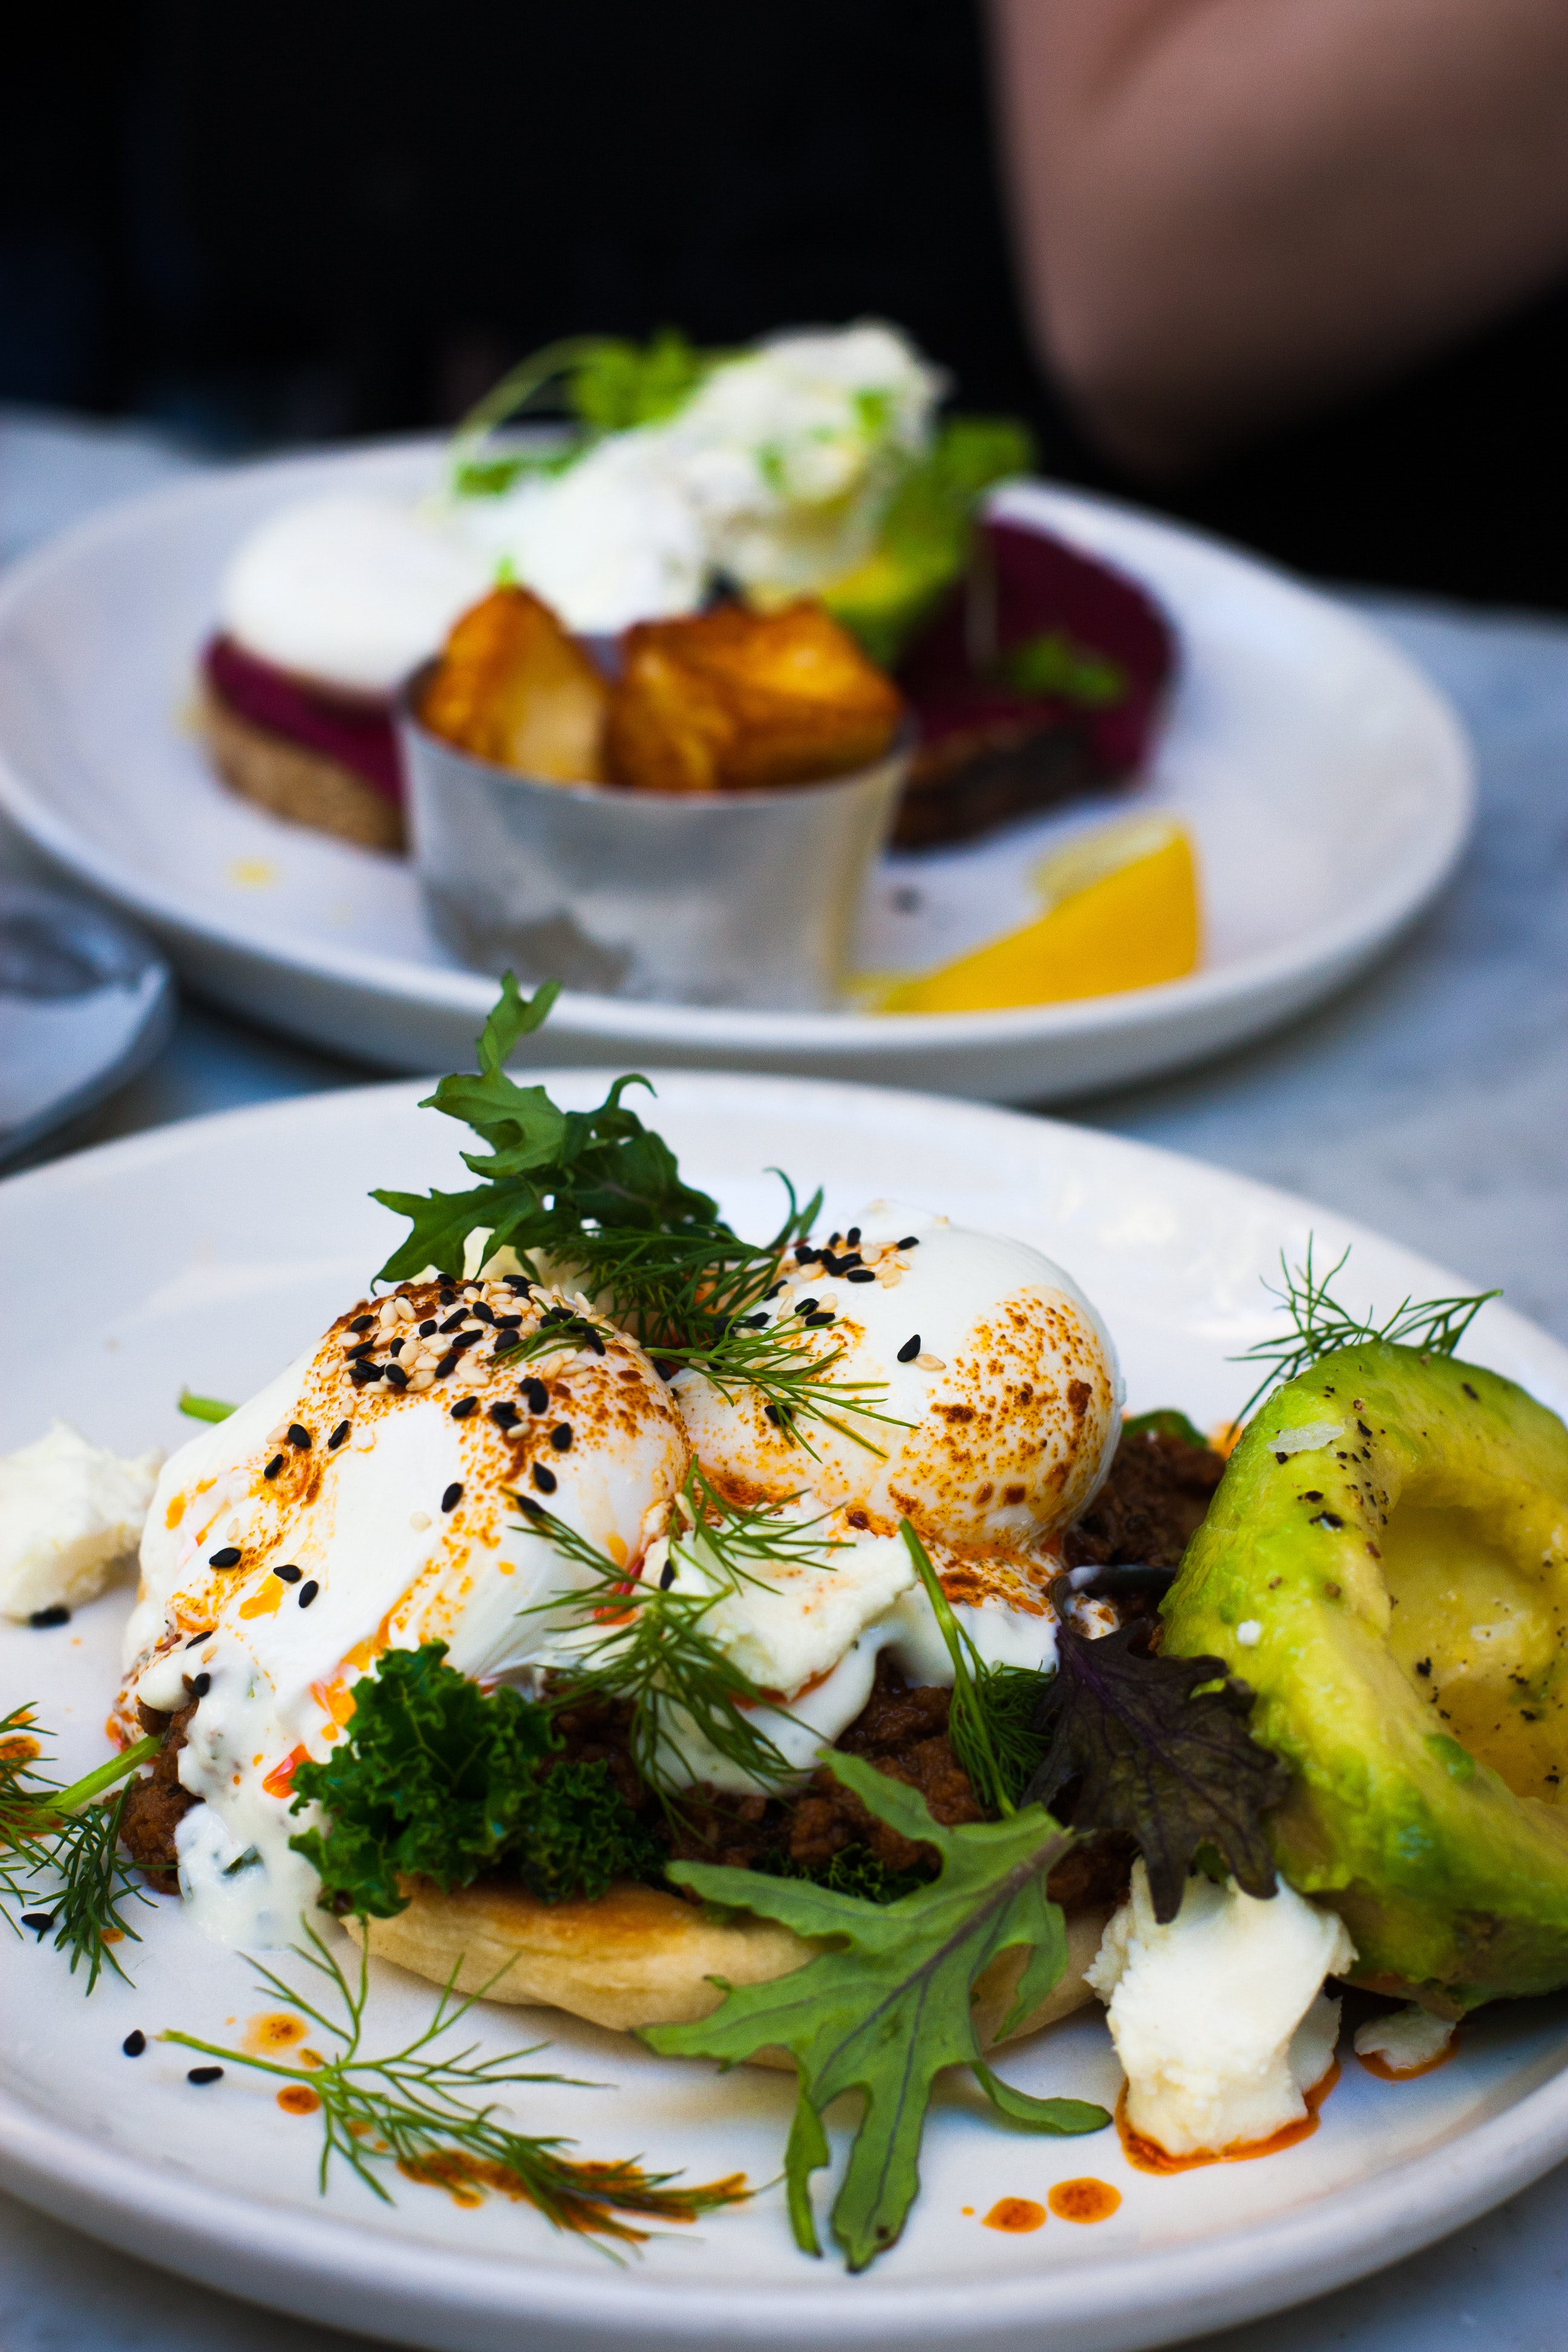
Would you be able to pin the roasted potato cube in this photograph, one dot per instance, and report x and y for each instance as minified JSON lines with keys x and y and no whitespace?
{"x":513,"y":687}
{"x":733,"y":697}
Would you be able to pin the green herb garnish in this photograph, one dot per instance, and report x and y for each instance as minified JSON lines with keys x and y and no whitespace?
{"x":417,"y":2110}
{"x":200,"y":1408}
{"x":1320,"y":1325}
{"x":433,"y":1779}
{"x":1158,"y":1746}
{"x":60,"y":1848}
{"x":886,"y":2004}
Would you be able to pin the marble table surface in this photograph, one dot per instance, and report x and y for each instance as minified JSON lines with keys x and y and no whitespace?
{"x":1430,"y":1101}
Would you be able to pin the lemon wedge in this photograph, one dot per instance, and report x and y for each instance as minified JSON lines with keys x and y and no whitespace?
{"x":1121,"y":911}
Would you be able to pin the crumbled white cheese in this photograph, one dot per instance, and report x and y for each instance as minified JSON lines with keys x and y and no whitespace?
{"x":1405,"y":2040}
{"x":70,"y":1513}
{"x":1219,"y":2018}
{"x":792,"y":1618}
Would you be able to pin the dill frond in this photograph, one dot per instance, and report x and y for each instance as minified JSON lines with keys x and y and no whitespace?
{"x":420,"y":2111}
{"x":1320,"y":1325}
{"x":60,"y":1847}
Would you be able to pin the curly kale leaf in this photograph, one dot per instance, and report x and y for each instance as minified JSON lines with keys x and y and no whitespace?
{"x":548,"y":1174}
{"x":436,"y":1780}
{"x":885,"y":2003}
{"x":1159,"y":1747}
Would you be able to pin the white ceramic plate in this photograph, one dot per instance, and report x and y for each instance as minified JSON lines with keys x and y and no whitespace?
{"x":1327,"y":785}
{"x":207,"y":1254}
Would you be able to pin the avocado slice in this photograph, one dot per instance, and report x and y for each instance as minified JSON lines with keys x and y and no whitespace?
{"x":1385,"y":1562}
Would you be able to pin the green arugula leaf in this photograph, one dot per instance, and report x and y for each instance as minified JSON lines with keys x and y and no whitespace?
{"x":886,"y":2005}
{"x":436,"y":1780}
{"x":1159,"y":1747}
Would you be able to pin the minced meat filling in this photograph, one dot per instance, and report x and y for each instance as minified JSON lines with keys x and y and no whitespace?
{"x":1151,"y":1505}
{"x":155,"y":1805}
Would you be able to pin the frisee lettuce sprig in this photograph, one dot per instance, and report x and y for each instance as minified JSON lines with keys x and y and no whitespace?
{"x":420,"y":2110}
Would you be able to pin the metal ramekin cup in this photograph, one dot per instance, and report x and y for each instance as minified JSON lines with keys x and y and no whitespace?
{"x":723,"y":899}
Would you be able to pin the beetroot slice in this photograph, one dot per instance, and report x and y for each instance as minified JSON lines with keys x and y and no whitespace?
{"x":356,"y":732}
{"x":988,"y":750}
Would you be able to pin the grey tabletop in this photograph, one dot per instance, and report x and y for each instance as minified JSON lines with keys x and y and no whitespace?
{"x":1430,"y":1100}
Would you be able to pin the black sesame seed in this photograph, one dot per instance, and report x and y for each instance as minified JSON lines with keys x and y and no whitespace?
{"x":771,"y":1412}
{"x":909,"y":1349}
{"x":396,"y":1346}
{"x":805,"y":1306}
{"x":453,"y":1495}
{"x":774,"y":1291}
{"x":537,"y":1395}
{"x":593,"y":1339}
{"x":554,"y":1315}
{"x":859,"y":1273}
{"x":505,"y":1416}
{"x":299,"y":1437}
{"x":910,"y":1241}
{"x":201,"y":1685}
{"x":308,"y":1592}
{"x":666,"y":1372}
{"x":203,"y":2074}
{"x":427,"y":1327}
{"x":56,"y":1613}
{"x":464,"y":1340}
{"x":445,"y":1294}
{"x":526,"y":1503}
{"x":561,"y":1437}
{"x":357,"y":1355}
{"x":363,"y":1376}
{"x":518,"y":1285}
{"x":362,"y":1323}
{"x":666,"y":1576}
{"x":853,"y":1236}
{"x":288,"y":1573}
{"x":274,"y":1466}
{"x":396,"y":1375}
{"x":815,"y":1322}
{"x":508,"y":1322}
{"x":481,"y":1312}
{"x":464,"y":1406}
{"x":454,"y":1322}
{"x":197,"y":1639}
{"x":42,"y":1920}
{"x":339,"y":1436}
{"x":447,"y":1365}
{"x":542,"y":1478}
{"x":229,"y":1556}
{"x":134,"y":2042}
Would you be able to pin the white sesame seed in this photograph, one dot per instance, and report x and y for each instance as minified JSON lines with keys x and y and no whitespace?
{"x":421,"y":1379}
{"x":404,"y":1308}
{"x":930,"y":1363}
{"x":419,"y":1521}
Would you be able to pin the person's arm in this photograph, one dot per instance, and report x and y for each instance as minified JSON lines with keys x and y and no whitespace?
{"x":1230,"y":211}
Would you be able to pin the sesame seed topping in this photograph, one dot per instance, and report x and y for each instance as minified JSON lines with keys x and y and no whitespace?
{"x":815,"y":1322}
{"x":771,"y":1412}
{"x":418,"y":1521}
{"x":356,"y":1355}
{"x":542,"y":1478}
{"x":203,"y":2074}
{"x":42,"y":1920}
{"x":666,"y":1576}
{"x":859,"y":1273}
{"x":536,"y":1394}
{"x":805,"y":1306}
{"x":56,"y":1613}
{"x":505,"y":1415}
{"x":465,"y":1405}
{"x":229,"y":1556}
{"x":299,"y":1437}
{"x":453,"y":1495}
{"x":288,"y":1573}
{"x":561,"y":1437}
{"x":853,"y":1236}
{"x":274,"y":1466}
{"x":339,"y":1436}
{"x":200,"y":1685}
{"x":134,"y":2042}
{"x":910,"y":1241}
{"x":927,"y":1362}
{"x":481,"y":1312}
{"x":909,"y":1349}
{"x":308,"y":1592}
{"x":427,"y":1327}
{"x":362,"y":1323}
{"x":508,"y":1322}
{"x":396,"y":1375}
{"x":205,"y":1635}
{"x":454,"y":1322}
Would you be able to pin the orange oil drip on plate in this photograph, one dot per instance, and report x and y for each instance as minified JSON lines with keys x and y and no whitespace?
{"x":1015,"y":2215}
{"x":274,"y":2028}
{"x":1083,"y":2200}
{"x":1147,"y":2155}
{"x":1376,"y":2063}
{"x":298,"y":2099}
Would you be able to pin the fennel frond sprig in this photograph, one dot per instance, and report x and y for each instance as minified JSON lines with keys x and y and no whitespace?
{"x":433,"y":2115}
{"x":60,"y":1848}
{"x":793,"y":1379}
{"x":990,"y":1722}
{"x":1320,"y":1325}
